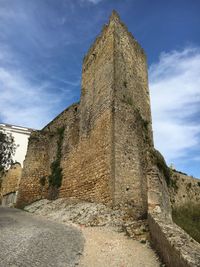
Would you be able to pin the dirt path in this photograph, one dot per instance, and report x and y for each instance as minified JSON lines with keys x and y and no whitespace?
{"x":105,"y":247}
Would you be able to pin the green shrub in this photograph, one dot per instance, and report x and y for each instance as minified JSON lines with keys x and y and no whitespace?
{"x":173,"y":183}
{"x":188,"y":218}
{"x":128,"y":100}
{"x":43,"y":180}
{"x":162,"y":166}
{"x":55,"y":178}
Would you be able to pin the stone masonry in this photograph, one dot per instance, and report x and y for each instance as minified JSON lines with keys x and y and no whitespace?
{"x":105,"y":136}
{"x":10,"y":185}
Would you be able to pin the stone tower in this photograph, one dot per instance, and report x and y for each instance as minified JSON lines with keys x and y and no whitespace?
{"x":115,"y":85}
{"x":105,"y":136}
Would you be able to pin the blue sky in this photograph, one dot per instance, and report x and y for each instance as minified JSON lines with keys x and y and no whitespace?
{"x":42,"y":44}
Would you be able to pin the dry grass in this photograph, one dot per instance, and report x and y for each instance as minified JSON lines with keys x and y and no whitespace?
{"x":188,"y":218}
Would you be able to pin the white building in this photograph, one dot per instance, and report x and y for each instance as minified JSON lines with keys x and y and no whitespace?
{"x":21,"y":136}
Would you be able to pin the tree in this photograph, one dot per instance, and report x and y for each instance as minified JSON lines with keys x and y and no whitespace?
{"x":7,"y":150}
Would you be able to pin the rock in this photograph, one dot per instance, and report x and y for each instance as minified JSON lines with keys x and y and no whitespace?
{"x":89,"y":214}
{"x":157,"y":209}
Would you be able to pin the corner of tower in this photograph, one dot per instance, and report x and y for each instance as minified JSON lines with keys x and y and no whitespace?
{"x":114,"y":16}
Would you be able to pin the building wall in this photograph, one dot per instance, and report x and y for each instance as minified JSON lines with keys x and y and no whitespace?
{"x":21,"y":136}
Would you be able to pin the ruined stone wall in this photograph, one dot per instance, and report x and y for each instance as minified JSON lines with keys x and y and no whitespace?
{"x":41,"y":153}
{"x":184,"y":189}
{"x":10,"y":184}
{"x":172,"y":243}
{"x":36,"y":165}
{"x":11,"y":178}
{"x":63,"y":119}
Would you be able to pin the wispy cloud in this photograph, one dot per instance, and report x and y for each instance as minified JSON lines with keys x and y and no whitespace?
{"x":25,"y":103}
{"x":92,"y":1}
{"x":175,"y":98}
{"x":31,"y":45}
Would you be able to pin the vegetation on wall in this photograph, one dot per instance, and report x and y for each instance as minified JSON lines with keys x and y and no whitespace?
{"x":188,"y":218}
{"x":7,"y":150}
{"x":173,"y":184}
{"x":127,"y":100}
{"x":43,"y":180}
{"x":167,"y":171}
{"x":34,"y":137}
{"x":55,"y":178}
{"x":159,"y":160}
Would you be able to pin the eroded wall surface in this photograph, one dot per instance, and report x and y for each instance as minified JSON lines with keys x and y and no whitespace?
{"x":10,"y":185}
{"x":42,"y":149}
{"x":184,"y":189}
{"x":172,"y":243}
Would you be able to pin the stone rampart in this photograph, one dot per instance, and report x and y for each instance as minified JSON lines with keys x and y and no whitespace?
{"x":10,"y":185}
{"x":184,"y":189}
{"x":173,"y":244}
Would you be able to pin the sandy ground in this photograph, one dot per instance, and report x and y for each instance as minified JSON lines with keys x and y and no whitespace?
{"x":105,"y":247}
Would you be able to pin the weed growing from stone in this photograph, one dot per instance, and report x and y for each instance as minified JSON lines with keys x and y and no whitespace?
{"x":55,"y":178}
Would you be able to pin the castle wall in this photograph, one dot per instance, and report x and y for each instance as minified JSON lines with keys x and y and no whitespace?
{"x":42,"y":149}
{"x":184,"y":189}
{"x":10,"y":185}
{"x":36,"y":165}
{"x":173,"y":244}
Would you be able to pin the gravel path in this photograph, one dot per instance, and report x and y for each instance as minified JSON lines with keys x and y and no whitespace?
{"x":107,"y":248}
{"x":30,"y":241}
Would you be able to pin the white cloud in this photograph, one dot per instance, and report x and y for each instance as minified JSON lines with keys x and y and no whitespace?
{"x":24,"y":103}
{"x":92,"y":1}
{"x":175,"y":98}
